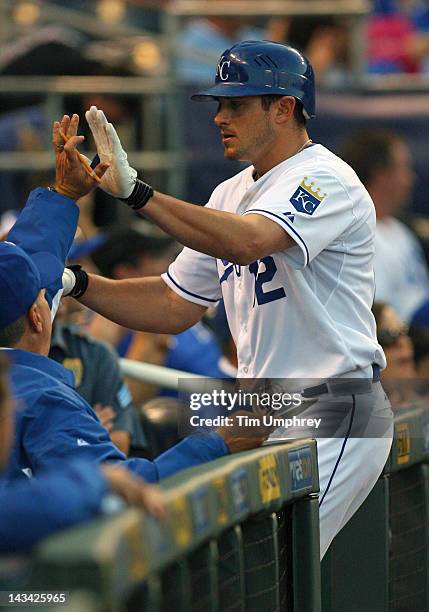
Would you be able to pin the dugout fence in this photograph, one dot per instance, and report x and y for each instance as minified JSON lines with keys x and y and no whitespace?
{"x":241,"y":534}
{"x":380,"y":561}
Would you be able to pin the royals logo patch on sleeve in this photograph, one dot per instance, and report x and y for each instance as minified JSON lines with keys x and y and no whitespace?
{"x":307,"y":197}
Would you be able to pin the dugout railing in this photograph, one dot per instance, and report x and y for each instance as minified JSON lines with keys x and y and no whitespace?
{"x":241,"y":534}
{"x":160,"y":102}
{"x":380,"y":561}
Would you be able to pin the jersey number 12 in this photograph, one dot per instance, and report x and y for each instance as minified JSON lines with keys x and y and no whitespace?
{"x":261,"y":296}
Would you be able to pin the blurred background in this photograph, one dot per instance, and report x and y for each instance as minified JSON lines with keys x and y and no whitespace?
{"x":139,"y":60}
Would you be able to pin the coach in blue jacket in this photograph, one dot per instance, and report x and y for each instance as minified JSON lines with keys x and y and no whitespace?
{"x":53,"y":422}
{"x":62,"y":496}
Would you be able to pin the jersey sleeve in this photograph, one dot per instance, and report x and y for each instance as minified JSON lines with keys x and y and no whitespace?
{"x":194,"y":277}
{"x":314,"y":211}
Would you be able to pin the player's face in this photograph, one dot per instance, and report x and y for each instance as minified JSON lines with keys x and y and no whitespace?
{"x":246,"y":128}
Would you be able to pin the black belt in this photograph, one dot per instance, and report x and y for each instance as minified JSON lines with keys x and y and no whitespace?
{"x":344,"y":386}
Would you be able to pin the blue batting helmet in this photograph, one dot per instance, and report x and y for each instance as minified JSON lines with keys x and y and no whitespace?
{"x":261,"y":67}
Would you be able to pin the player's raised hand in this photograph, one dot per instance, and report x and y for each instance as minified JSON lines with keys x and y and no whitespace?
{"x":73,"y":178}
{"x":120,"y":178}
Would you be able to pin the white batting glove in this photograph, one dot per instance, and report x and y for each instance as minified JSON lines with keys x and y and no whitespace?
{"x":119,"y":179}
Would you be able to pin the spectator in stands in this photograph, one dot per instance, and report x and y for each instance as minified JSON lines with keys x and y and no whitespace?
{"x":102,"y":386}
{"x":325,"y":41}
{"x":392,"y":334}
{"x":54,"y":423}
{"x":394,"y":43}
{"x":419,"y":334}
{"x":399,"y":375}
{"x":420,"y":339}
{"x":382,"y":160}
{"x":203,"y":39}
{"x":129,"y":252}
{"x":65,"y":495}
{"x":218,"y":323}
{"x":144,"y":250}
{"x":419,"y":13}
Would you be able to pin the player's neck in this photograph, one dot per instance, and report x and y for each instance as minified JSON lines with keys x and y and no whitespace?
{"x":280,"y":153}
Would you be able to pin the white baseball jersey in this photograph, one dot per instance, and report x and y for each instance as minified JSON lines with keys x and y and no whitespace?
{"x":401,"y":275}
{"x":305,"y":311}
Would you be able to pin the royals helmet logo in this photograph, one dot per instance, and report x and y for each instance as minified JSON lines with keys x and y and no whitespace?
{"x":222,"y":68}
{"x":307,"y":197}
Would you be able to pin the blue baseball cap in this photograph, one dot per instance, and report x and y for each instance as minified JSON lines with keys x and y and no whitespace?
{"x":21,"y":278}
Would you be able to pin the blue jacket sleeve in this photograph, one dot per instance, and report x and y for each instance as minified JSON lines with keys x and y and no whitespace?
{"x":59,"y":429}
{"x":191,"y":451}
{"x":48,"y":223}
{"x":33,"y":509}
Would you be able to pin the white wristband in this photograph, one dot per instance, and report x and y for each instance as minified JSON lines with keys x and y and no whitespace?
{"x":69,"y":281}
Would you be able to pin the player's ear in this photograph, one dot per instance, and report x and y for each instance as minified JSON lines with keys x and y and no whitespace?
{"x":284,"y":109}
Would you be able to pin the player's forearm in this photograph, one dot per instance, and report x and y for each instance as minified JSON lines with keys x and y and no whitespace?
{"x":125,"y":303}
{"x":220,"y":234}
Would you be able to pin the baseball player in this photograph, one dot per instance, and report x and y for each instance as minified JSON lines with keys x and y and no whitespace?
{"x":287,"y":243}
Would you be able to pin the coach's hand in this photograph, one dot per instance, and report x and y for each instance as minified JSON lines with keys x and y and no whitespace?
{"x":72,"y":178}
{"x":106,"y":415}
{"x":243,"y":436}
{"x":134,"y":490}
{"x":120,"y":178}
